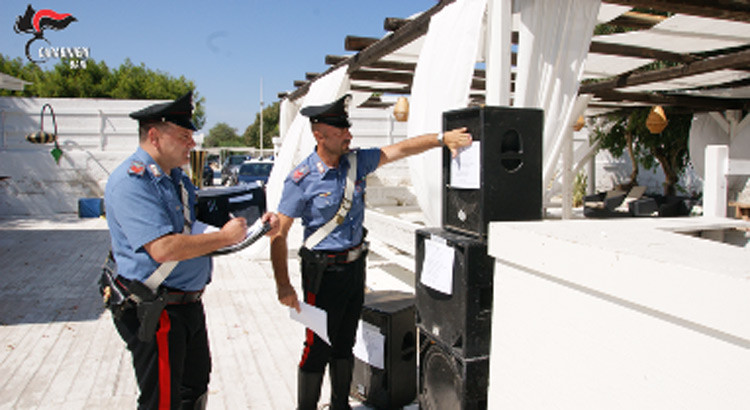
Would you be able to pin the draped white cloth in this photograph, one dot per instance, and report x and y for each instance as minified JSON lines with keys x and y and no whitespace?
{"x":554,"y":38}
{"x":298,"y":141}
{"x":441,"y":82}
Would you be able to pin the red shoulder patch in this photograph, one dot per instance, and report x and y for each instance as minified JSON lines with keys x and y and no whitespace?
{"x":300,"y":173}
{"x":137,"y":168}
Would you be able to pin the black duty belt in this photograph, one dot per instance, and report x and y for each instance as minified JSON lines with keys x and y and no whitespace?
{"x":344,"y":257}
{"x":172,"y":296}
{"x":181,"y":298}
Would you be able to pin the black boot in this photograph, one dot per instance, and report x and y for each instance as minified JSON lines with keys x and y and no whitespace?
{"x":197,"y":404}
{"x":308,"y":389}
{"x":341,"y":380}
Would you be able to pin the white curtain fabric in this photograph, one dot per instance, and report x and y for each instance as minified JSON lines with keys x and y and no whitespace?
{"x":554,"y":38}
{"x":287,"y":112}
{"x":298,"y":141}
{"x":441,"y":82}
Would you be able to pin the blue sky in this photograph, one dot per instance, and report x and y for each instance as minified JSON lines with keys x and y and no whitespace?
{"x":224,"y":46}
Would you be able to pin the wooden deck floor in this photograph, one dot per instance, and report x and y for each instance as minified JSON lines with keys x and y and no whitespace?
{"x":59,"y":349}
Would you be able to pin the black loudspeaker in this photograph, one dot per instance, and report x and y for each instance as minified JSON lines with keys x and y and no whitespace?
{"x":395,"y":385}
{"x":510,"y":168}
{"x":448,"y":380}
{"x":461,"y":319}
{"x":214,"y":205}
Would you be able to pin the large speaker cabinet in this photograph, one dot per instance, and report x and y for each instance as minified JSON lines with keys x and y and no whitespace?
{"x":510,"y":168}
{"x":462,"y":319}
{"x":395,"y":385}
{"x":448,"y":380}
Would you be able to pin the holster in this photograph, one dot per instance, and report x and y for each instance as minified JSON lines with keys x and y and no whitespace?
{"x":114,"y":295}
{"x":149,"y":308}
{"x":314,"y":265}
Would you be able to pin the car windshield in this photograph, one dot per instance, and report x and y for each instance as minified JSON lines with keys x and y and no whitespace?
{"x":258,"y":169}
{"x":236,"y":160}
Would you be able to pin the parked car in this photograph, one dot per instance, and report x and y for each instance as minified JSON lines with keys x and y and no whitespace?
{"x":254,"y":171}
{"x":229,"y":169}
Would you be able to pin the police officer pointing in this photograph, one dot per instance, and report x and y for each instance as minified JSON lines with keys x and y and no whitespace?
{"x":150,"y":205}
{"x":326,"y":190}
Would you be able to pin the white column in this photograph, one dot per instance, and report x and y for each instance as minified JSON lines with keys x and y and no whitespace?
{"x":715,"y":181}
{"x":567,"y":174}
{"x":497,"y":52}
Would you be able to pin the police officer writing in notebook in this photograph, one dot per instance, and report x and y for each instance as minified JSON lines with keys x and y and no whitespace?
{"x":150,"y":204}
{"x":327,"y":191}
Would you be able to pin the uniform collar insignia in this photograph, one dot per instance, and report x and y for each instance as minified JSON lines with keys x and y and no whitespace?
{"x":321,"y":167}
{"x":136,"y":168}
{"x":154,"y":170}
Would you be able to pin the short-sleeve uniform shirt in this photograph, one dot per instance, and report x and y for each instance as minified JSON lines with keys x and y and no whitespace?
{"x":144,"y":203}
{"x":313,"y":192}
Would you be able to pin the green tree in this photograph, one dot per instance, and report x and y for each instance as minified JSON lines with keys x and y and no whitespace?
{"x":270,"y":128}
{"x":97,"y":80}
{"x":222,"y":135}
{"x":669,"y":149}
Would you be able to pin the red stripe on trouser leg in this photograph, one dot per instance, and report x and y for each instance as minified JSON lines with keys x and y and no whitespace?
{"x":165,"y":375}
{"x":309,"y":334}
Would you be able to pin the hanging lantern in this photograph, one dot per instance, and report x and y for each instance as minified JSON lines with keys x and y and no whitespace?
{"x":401,"y":109}
{"x":44,"y":137}
{"x":580,"y":122}
{"x":656,"y":120}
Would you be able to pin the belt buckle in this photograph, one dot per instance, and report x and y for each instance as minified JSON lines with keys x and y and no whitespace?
{"x":353,"y":255}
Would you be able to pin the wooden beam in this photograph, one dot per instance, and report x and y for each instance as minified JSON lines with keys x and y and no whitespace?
{"x":697,"y":103}
{"x":381,"y":65}
{"x":393,"y":23}
{"x":357,"y":43}
{"x":639,"y":52}
{"x":737,"y":10}
{"x":398,"y":66}
{"x":636,"y":20}
{"x":739,"y":60}
{"x":399,"y":77}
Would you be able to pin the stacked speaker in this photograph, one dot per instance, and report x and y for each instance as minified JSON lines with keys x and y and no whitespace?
{"x":393,"y":385}
{"x":499,"y":179}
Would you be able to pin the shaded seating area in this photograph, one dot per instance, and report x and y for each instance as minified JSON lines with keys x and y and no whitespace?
{"x":636,"y":203}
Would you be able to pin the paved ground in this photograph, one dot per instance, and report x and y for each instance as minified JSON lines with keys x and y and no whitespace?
{"x":59,"y":349}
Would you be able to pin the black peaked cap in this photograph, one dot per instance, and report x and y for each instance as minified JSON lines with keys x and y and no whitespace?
{"x":178,"y":112}
{"x":335,"y":113}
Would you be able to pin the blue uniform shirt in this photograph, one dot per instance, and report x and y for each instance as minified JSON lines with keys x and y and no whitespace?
{"x":313,"y":192}
{"x":143,"y":203}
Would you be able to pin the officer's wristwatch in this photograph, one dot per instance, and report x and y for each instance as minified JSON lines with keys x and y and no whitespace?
{"x":440,"y":139}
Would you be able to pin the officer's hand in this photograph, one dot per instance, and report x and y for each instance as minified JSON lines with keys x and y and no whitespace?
{"x":235,"y":230}
{"x":273,"y":220}
{"x":288,"y":297}
{"x":455,"y":139}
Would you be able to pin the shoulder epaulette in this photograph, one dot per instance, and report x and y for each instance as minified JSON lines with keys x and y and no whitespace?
{"x":300,"y":172}
{"x":136,"y":168}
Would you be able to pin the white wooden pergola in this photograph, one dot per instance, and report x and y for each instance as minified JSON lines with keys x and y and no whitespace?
{"x":705,"y":45}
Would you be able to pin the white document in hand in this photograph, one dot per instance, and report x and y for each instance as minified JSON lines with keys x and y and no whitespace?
{"x":254,"y":232}
{"x":313,"y":318}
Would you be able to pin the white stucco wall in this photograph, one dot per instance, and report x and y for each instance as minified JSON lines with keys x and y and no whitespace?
{"x":619,"y":314}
